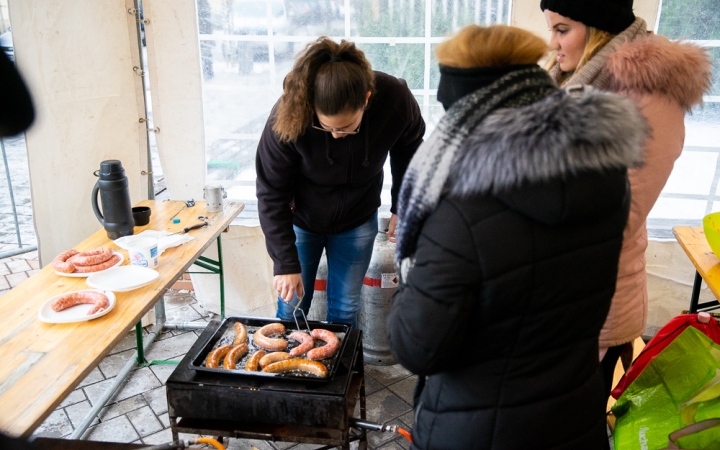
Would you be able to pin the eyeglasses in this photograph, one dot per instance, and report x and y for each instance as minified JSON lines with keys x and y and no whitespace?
{"x":332,"y":130}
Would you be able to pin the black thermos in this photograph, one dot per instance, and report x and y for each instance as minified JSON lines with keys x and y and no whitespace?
{"x":115,"y":198}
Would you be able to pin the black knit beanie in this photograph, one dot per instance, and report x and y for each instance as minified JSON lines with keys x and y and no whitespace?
{"x":612,"y":16}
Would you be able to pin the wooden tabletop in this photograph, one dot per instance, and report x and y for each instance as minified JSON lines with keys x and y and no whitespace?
{"x":693,"y":241}
{"x":42,"y":363}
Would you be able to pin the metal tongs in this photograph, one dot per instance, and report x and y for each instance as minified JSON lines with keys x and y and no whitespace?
{"x":297,"y":306}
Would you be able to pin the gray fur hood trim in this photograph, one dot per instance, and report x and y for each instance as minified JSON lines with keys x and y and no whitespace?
{"x":565,"y":133}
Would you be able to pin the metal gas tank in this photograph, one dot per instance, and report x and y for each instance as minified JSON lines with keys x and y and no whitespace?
{"x":318,"y":307}
{"x":379,"y":285}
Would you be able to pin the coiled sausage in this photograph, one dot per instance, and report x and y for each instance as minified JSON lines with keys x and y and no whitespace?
{"x":273,"y":358}
{"x":262,"y":340}
{"x":114,"y":259}
{"x":332,"y":344}
{"x":213,"y":358}
{"x":66,"y":301}
{"x":60,"y":262}
{"x":306,"y":343}
{"x":254,"y":360}
{"x":91,"y":257}
{"x":235,"y":353}
{"x":240,"y":333}
{"x":304,"y":365}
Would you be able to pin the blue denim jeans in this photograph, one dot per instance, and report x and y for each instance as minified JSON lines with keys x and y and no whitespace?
{"x":348,"y":259}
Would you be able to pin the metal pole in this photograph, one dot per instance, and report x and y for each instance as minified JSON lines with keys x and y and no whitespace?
{"x":17,"y":251}
{"x":143,"y":66}
{"x":10,"y":189}
{"x":110,"y":392}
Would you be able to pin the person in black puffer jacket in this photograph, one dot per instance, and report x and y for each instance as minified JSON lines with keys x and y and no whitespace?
{"x":511,"y":220}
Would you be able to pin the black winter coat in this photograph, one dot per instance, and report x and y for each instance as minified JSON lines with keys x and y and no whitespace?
{"x":335,"y":184}
{"x":510,"y":287}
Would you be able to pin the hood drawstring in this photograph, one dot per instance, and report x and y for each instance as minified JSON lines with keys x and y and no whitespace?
{"x":327,"y":149}
{"x":367,"y":145}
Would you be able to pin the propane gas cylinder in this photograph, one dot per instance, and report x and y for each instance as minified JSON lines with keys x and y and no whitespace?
{"x":318,"y":309}
{"x":379,"y":285}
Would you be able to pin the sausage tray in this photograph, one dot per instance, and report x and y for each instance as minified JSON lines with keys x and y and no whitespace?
{"x":226,"y":333}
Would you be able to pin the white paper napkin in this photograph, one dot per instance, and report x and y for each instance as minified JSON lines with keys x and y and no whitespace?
{"x":165,"y":239}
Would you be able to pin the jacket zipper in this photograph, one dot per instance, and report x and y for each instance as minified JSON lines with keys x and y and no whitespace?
{"x":343,"y":194}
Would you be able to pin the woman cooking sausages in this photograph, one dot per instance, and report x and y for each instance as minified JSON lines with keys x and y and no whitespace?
{"x":603,"y":44}
{"x":511,"y":219}
{"x":320,"y":172}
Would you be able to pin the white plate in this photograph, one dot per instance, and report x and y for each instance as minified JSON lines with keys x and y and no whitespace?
{"x":83,"y":275}
{"x":122,"y":279}
{"x":76,"y":313}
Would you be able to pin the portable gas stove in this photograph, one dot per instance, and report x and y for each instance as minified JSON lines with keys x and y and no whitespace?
{"x":290,"y":409}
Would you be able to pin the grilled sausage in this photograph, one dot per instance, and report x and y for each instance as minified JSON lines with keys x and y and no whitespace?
{"x":304,"y":365}
{"x":235,"y":353}
{"x":114,"y":259}
{"x":273,"y":358}
{"x":240,"y":333}
{"x":262,"y":340}
{"x":306,"y":343}
{"x":254,"y":360}
{"x":60,"y":262}
{"x":83,"y":297}
{"x":213,"y":358}
{"x":91,"y":257}
{"x":332,"y":344}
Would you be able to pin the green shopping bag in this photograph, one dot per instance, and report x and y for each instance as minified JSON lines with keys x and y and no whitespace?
{"x":681,"y":386}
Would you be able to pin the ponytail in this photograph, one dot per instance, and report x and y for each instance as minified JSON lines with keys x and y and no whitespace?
{"x":328,"y":77}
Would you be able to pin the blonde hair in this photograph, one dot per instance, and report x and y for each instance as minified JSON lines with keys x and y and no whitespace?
{"x":595,"y":40}
{"x":492,"y":46}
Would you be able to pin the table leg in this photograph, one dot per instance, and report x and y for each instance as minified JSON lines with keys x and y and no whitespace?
{"x":139,"y":343}
{"x":215,"y":267}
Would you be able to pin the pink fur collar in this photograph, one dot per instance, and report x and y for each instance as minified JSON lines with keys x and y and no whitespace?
{"x":654,"y":64}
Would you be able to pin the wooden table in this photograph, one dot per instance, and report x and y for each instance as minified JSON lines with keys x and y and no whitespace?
{"x":707,"y":265}
{"x":42,"y":363}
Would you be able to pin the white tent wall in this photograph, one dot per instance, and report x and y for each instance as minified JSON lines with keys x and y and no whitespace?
{"x":174,"y":66}
{"x":77,"y":57}
{"x":248,"y":272}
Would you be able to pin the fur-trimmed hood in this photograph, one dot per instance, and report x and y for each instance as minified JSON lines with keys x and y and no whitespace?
{"x":564,"y":135}
{"x":654,"y":64}
{"x":560,"y":135}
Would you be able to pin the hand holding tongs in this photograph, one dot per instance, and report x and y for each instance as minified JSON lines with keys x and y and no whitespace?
{"x":194,"y":227}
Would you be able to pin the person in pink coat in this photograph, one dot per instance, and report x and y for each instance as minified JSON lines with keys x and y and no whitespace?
{"x":601,"y":43}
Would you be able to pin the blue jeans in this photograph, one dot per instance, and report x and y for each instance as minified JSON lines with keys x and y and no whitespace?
{"x":348,"y":259}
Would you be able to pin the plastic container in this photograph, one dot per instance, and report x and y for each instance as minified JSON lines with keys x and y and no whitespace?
{"x":143,"y":252}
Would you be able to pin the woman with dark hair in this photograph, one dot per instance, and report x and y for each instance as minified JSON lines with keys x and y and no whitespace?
{"x":601,"y":43}
{"x":320,"y":172}
{"x":511,"y":219}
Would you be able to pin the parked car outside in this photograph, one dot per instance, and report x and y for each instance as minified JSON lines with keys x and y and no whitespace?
{"x":250,"y":18}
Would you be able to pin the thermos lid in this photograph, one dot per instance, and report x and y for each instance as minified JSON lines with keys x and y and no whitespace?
{"x":111,"y":169}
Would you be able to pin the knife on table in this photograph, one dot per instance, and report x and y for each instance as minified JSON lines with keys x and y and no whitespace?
{"x":194,"y":227}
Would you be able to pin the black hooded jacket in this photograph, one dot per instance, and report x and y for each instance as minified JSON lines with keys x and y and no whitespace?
{"x":511,"y":283}
{"x":335,"y":184}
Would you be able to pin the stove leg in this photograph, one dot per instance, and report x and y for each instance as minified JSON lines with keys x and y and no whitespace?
{"x":173,"y":429}
{"x":362,"y":442}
